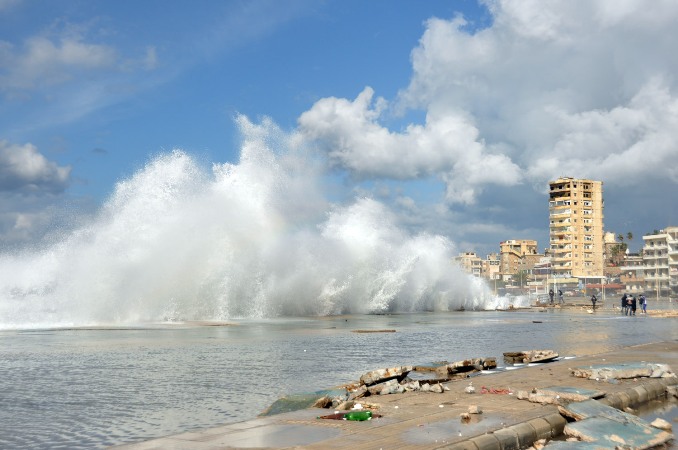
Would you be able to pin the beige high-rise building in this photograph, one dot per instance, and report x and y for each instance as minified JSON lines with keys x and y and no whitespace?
{"x":576,"y":228}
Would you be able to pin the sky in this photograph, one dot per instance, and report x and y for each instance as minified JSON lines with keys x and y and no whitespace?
{"x":453,"y":114}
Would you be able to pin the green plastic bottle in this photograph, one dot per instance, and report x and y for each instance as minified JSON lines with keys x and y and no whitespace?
{"x":358,"y":415}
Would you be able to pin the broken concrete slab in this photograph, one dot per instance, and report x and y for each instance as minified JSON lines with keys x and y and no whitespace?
{"x":381,"y":375}
{"x":433,"y":366}
{"x":570,"y":393}
{"x":530,"y":356}
{"x":592,"y":408}
{"x":602,"y":430}
{"x":470,"y":365}
{"x":624,"y":371}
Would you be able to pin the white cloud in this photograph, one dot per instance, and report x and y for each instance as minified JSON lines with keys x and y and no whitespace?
{"x":562,"y":87}
{"x":446,"y":146}
{"x":23,"y":168}
{"x":42,"y":62}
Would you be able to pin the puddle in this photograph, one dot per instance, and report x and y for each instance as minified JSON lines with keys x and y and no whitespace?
{"x":663,"y":409}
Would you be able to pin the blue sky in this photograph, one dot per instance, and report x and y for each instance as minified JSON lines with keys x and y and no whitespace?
{"x":454,"y":114}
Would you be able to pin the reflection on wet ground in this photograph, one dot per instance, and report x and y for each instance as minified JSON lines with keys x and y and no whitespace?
{"x":441,"y":432}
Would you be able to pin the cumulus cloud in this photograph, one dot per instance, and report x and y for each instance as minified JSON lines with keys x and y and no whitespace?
{"x":446,"y":146}
{"x":574,"y":88}
{"x":24,"y":169}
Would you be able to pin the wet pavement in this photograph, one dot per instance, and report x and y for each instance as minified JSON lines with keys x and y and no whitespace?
{"x":425,"y":420}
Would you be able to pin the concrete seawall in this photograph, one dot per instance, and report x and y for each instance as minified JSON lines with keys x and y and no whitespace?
{"x":426,"y":420}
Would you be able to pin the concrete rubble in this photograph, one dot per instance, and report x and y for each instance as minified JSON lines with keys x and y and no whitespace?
{"x":423,"y":420}
{"x":530,"y":356}
{"x":624,"y":371}
{"x":392,"y":380}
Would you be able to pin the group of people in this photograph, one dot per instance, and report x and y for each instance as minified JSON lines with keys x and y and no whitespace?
{"x":560,"y":296}
{"x":629,"y":304}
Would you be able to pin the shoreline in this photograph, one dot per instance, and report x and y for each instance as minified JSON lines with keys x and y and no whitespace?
{"x":429,"y":420}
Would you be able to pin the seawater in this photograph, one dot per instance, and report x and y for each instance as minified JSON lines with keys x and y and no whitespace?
{"x":92,"y":388}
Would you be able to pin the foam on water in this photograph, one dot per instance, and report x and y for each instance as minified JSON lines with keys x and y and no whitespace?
{"x":255,"y":239}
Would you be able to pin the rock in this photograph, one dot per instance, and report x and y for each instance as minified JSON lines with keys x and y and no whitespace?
{"x":538,"y":445}
{"x":437,"y":388}
{"x":359,"y":392}
{"x":475,"y":409}
{"x":346,"y":405}
{"x":387,"y":387}
{"x":662,"y":424}
{"x":411,"y":386}
{"x":323,"y":402}
{"x":470,"y":389}
{"x":380,"y":375}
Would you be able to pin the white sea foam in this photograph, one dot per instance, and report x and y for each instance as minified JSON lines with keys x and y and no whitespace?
{"x":255,"y":239}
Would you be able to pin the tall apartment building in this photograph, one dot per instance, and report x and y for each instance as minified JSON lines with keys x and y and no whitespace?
{"x":576,"y":228}
{"x":660,"y":257}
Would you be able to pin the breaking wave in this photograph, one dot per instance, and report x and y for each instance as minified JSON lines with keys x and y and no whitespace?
{"x":256,"y":239}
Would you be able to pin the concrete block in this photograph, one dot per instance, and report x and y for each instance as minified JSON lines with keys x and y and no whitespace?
{"x":655,"y":390}
{"x":557,"y":423}
{"x":624,"y":400}
{"x":526,"y":434}
{"x":487,"y":442}
{"x":634,"y":397}
{"x":542,"y":428}
{"x":643,"y":396}
{"x":508,"y":439}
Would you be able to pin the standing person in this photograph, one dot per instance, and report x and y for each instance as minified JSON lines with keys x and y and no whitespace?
{"x":643,"y":304}
{"x":560,"y":296}
{"x":633,"y":305}
{"x":594,"y":299}
{"x":551,"y":296}
{"x":623,"y":304}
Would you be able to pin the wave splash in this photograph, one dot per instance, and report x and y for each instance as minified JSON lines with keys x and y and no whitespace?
{"x":257,"y":239}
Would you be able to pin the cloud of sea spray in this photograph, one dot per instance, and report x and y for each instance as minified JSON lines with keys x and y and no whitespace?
{"x":254,"y":239}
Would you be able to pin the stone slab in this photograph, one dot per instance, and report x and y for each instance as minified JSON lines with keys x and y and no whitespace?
{"x":613,"y":433}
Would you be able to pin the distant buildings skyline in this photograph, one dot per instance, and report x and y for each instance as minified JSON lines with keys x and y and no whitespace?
{"x":580,"y":252}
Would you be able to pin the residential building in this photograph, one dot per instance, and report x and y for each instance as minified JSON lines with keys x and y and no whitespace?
{"x":517,"y":255}
{"x":491,"y":267}
{"x":660,"y":257}
{"x":576,"y":230}
{"x":632,"y":274}
{"x":470,"y":263}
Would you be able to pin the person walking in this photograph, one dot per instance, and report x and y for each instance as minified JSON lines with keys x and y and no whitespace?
{"x":594,"y":299}
{"x":643,"y":304}
{"x":560,"y":297}
{"x":551,"y":297}
{"x":634,"y":304}
{"x":623,"y":304}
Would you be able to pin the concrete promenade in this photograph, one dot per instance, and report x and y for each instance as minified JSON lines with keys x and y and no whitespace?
{"x":426,"y":420}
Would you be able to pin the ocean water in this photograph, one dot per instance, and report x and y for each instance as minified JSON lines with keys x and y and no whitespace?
{"x":96,"y":387}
